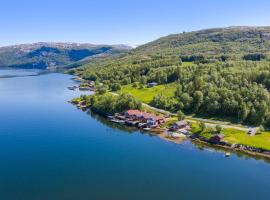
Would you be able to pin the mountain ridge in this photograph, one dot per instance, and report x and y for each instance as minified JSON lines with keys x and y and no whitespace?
{"x":222,"y":37}
{"x":46,"y":55}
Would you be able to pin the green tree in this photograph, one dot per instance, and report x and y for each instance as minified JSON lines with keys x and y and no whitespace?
{"x":143,"y":80}
{"x":198,"y":100}
{"x":243,"y":112}
{"x":218,"y":128}
{"x":186,"y":100}
{"x":180,"y":115}
{"x":115,"y":87}
{"x":178,"y":91}
{"x":202,"y":126}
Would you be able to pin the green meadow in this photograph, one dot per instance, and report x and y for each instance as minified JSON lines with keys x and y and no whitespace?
{"x":147,"y":94}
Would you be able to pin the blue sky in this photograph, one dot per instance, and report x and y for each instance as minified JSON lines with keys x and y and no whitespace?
{"x":121,"y":21}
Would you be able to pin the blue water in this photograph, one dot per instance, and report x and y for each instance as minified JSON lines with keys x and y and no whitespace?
{"x":6,"y":73}
{"x":49,"y":150}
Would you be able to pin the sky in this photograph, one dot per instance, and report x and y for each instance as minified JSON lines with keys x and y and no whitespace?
{"x":121,"y":21}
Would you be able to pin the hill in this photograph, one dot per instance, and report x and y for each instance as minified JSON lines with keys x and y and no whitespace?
{"x":204,"y":46}
{"x":231,"y":40}
{"x":52,"y":55}
{"x":218,"y":73}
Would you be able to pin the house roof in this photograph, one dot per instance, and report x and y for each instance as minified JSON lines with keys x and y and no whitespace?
{"x":147,"y":115}
{"x":134,"y":112}
{"x":144,"y":115}
{"x":181,"y":123}
{"x":151,"y":116}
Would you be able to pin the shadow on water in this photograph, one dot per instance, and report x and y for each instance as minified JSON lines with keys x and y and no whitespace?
{"x":198,"y":145}
{"x":239,"y":154}
{"x":11,"y":73}
{"x":118,"y":127}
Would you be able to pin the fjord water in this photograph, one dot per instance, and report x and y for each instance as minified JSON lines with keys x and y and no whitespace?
{"x":51,"y":150}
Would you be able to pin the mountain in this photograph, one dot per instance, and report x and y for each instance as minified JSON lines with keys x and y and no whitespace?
{"x":52,"y":55}
{"x":209,"y":45}
{"x":230,"y":40}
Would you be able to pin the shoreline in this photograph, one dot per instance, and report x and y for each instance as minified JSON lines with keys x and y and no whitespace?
{"x":224,"y":147}
{"x":161,"y":133}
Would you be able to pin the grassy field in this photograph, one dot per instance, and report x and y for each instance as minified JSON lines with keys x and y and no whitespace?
{"x":240,"y":137}
{"x":147,"y":94}
{"x":234,"y":136}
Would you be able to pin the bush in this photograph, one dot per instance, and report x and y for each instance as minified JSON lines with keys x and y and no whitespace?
{"x":202,"y":126}
{"x":261,"y":128}
{"x":115,"y":87}
{"x":135,"y":84}
{"x":180,"y":115}
{"x":218,"y":128}
{"x":101,"y":89}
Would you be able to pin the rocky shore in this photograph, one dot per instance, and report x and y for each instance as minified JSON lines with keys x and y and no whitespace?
{"x":235,"y":147}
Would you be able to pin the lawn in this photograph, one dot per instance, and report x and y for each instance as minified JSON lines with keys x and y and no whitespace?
{"x":234,"y":136}
{"x":147,"y":94}
{"x":241,"y":137}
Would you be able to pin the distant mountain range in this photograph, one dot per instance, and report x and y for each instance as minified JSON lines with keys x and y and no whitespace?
{"x":52,"y":55}
{"x":213,"y":44}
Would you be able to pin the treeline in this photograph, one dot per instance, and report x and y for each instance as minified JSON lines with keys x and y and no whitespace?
{"x":108,"y":104}
{"x":237,"y":90}
{"x":232,"y":90}
{"x":155,"y":68}
{"x":199,"y":58}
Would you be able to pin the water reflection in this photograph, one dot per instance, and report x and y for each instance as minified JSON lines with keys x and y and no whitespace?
{"x":198,"y":145}
{"x":11,"y":73}
{"x":110,"y":124}
{"x":243,"y":155}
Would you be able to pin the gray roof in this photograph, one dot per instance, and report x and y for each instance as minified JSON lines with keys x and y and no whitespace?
{"x":181,"y":123}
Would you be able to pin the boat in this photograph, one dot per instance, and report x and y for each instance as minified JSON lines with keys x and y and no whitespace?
{"x":84,"y":88}
{"x":147,"y":129}
{"x":184,"y":131}
{"x":131,"y":123}
{"x":228,"y":154}
{"x":117,"y":121}
{"x":142,"y":125}
{"x":177,"y":135}
{"x":72,"y":87}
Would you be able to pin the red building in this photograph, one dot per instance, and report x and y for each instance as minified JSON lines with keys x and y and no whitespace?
{"x":144,"y":117}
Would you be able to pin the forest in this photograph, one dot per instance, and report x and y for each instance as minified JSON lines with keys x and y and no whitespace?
{"x":223,"y":73}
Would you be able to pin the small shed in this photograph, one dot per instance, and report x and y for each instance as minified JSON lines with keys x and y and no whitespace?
{"x":154,"y":120}
{"x":216,"y":138}
{"x":179,"y":125}
{"x":252,"y":131}
{"x":83,"y":103}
